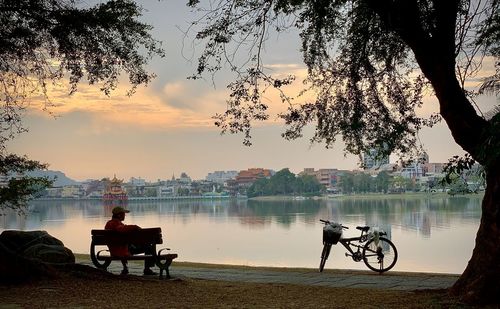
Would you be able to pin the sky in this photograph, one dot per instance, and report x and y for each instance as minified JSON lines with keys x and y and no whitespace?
{"x":166,"y":128}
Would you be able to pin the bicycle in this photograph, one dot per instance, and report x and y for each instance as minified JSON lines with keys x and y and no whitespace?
{"x":377,"y":252}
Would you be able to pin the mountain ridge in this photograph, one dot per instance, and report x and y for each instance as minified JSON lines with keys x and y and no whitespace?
{"x":60,"y":177}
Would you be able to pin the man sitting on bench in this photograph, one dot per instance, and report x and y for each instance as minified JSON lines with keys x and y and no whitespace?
{"x":116,"y":224}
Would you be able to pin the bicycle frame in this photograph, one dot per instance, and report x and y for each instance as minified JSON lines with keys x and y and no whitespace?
{"x":353,"y":248}
{"x":377,"y":252}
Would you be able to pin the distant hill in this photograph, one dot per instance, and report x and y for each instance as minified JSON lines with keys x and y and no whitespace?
{"x":61,"y":178}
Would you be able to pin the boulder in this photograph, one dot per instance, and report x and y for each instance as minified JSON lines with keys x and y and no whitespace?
{"x":17,"y":269}
{"x":51,"y":254}
{"x":37,"y":245}
{"x":26,"y":255}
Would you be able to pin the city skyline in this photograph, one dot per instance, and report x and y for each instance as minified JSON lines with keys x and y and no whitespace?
{"x":217,"y":173}
{"x":166,"y":128}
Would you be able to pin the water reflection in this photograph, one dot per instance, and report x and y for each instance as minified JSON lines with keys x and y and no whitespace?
{"x":222,"y":231}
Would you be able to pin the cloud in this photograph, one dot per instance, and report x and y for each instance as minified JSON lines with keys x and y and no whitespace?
{"x":145,"y":109}
{"x":186,"y":103}
{"x":175,"y":95}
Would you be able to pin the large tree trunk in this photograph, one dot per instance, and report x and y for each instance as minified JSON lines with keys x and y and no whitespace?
{"x":480,"y":282}
{"x":435,"y":55}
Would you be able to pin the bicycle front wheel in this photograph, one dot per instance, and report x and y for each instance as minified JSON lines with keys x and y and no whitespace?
{"x":381,"y":255}
{"x":324,"y":256}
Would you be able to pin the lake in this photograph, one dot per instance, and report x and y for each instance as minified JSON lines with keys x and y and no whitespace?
{"x":431,"y":233}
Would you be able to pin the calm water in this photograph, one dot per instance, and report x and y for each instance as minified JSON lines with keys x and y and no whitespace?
{"x":433,"y":234}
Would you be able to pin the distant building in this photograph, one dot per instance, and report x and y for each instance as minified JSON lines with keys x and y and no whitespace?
{"x":93,"y":188}
{"x":248,"y":177}
{"x":184,"y":178}
{"x":373,"y":160}
{"x":414,"y":170}
{"x":114,"y":191}
{"x":328,"y":177}
{"x":164,"y":191}
{"x":136,"y":187}
{"x":434,"y":168}
{"x":221,"y":176}
{"x":418,"y":168}
{"x":55,"y":192}
{"x":137,"y":181}
{"x":74,"y":191}
{"x":389,"y":168}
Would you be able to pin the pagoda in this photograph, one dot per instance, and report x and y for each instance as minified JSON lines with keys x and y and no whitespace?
{"x":114,"y":191}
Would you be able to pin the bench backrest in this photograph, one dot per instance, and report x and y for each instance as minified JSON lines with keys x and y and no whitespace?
{"x":139,"y":237}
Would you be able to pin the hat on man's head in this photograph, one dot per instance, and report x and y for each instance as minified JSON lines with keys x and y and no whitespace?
{"x":119,"y":210}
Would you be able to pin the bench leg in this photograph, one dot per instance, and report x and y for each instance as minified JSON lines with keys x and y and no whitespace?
{"x":164,"y":266}
{"x":167,"y":272}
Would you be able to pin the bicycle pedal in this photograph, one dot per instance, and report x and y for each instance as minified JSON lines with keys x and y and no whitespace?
{"x":347,"y":254}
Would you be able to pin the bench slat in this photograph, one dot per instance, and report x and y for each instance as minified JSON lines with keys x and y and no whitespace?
{"x":169,"y":256}
{"x":145,"y":236}
{"x":139,"y":237}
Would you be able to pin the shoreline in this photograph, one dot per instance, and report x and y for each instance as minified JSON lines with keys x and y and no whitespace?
{"x":146,"y":199}
{"x":364,"y":196}
{"x":294,"y":198}
{"x":85,"y":259}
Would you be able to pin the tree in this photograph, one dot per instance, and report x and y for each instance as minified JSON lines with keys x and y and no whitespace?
{"x":309,"y":185}
{"x":285,"y":182}
{"x":43,"y":42}
{"x":382,"y":182}
{"x":260,"y":187}
{"x":20,"y":189}
{"x":362,"y":182}
{"x":368,"y":63}
{"x":347,"y":183}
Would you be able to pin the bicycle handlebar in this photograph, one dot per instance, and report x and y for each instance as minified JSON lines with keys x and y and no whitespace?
{"x":328,"y":222}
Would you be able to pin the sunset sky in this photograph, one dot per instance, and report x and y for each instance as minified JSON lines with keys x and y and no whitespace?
{"x":166,"y":128}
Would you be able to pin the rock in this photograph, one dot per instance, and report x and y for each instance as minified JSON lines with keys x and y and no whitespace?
{"x":15,"y":268}
{"x":38,"y":245}
{"x":26,"y":255}
{"x":18,"y":241}
{"x":51,"y":254}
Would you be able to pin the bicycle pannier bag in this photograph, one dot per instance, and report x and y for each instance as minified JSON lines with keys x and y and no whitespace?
{"x":332,"y":233}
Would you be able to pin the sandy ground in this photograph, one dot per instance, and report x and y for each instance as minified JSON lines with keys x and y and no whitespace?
{"x":86,"y":288}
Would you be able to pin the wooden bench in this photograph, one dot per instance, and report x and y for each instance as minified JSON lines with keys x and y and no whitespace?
{"x":146,"y":236}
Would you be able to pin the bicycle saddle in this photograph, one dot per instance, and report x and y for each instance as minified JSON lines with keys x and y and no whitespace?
{"x":363,"y":228}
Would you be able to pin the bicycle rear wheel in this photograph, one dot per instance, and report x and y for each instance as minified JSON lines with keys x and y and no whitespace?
{"x":324,"y":256}
{"x":381,"y":255}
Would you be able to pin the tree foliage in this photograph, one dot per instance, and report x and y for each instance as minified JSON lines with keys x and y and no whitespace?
{"x":359,"y":60}
{"x":364,"y":183}
{"x":369,"y":63}
{"x":46,"y":42}
{"x":42,"y":42}
{"x":20,"y":189}
{"x":488,"y":37}
{"x":285,"y":182}
{"x":458,"y":171}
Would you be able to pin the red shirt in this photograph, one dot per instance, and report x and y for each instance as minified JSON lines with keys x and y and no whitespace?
{"x":117,"y":225}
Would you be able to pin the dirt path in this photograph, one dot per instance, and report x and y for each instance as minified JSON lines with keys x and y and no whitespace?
{"x":140,"y":292}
